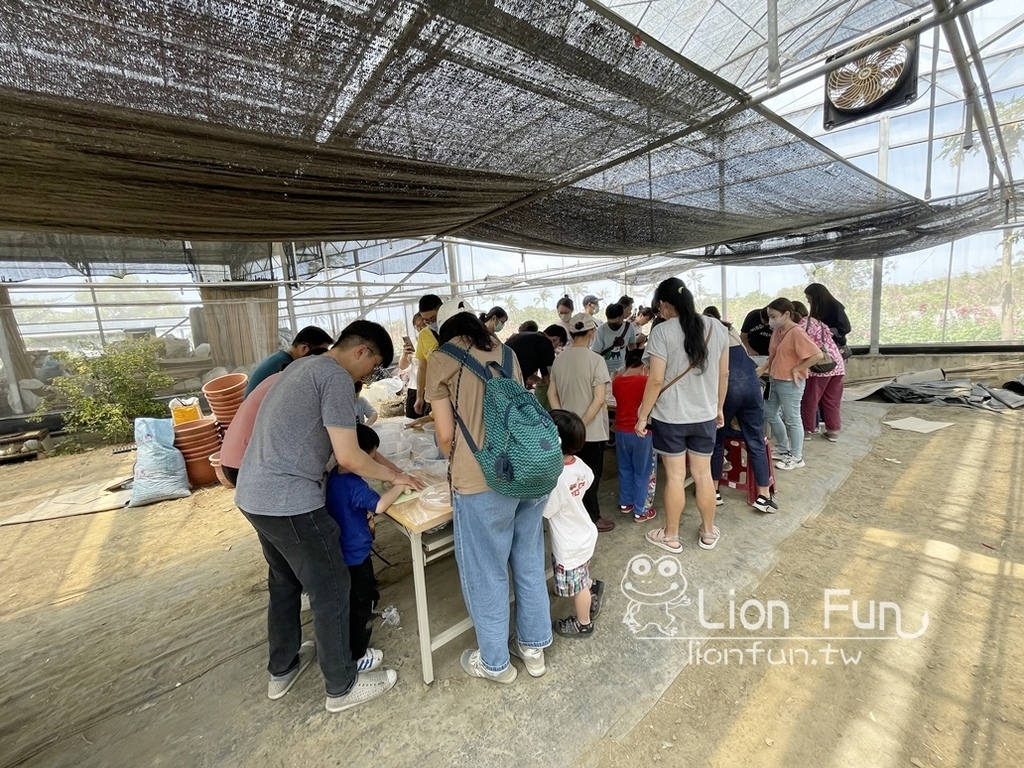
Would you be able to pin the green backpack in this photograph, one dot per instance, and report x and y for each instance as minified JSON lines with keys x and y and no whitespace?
{"x":521,"y":455}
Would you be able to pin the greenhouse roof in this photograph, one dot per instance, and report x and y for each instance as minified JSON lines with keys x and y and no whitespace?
{"x":584,"y":127}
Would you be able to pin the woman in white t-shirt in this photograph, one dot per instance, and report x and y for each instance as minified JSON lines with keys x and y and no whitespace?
{"x":689,"y":359}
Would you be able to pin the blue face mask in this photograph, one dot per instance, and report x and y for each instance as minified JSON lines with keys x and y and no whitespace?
{"x":432,"y":326}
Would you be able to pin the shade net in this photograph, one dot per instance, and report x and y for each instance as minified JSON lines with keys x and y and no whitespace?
{"x":536,"y":125}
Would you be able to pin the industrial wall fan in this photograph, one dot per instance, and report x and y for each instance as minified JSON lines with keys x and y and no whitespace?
{"x":881,"y":80}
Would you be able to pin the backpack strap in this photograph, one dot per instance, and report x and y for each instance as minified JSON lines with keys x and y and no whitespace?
{"x":465,"y":360}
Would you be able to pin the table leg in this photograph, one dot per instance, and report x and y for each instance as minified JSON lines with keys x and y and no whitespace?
{"x":422,"y":617}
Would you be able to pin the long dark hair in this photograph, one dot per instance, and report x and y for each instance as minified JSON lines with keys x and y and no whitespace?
{"x":674,"y":291}
{"x":823,"y":303}
{"x":497,"y":312}
{"x":468,"y":325}
{"x":565,"y":301}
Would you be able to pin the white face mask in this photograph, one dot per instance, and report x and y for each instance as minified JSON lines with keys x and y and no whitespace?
{"x":564,"y":316}
{"x":774,"y":322}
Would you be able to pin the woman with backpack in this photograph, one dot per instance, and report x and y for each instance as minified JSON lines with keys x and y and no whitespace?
{"x":682,"y":405}
{"x":494,"y":532}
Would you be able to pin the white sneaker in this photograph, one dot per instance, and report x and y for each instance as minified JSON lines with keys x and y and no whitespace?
{"x":533,"y":658}
{"x":368,"y":686}
{"x":474,"y":667}
{"x":790,"y":462}
{"x":279,"y":685}
{"x":719,"y":501}
{"x":370,"y":660}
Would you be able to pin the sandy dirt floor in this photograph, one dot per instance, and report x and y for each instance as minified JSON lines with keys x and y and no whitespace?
{"x":935,"y":532}
{"x":938,"y":532}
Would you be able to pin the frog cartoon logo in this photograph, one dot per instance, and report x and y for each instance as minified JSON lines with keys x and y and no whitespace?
{"x":653,"y":588}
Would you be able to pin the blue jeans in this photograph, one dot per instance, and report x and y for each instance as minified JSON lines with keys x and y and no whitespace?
{"x":782,"y":412}
{"x":744,"y":403}
{"x":493,"y":533}
{"x":633,"y":457}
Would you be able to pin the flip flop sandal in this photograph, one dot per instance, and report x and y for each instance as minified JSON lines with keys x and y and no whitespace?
{"x":715,"y":535}
{"x":658,"y":538}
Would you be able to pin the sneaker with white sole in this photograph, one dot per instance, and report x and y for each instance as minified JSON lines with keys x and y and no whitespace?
{"x":279,"y":685}
{"x":473,"y":665}
{"x":832,"y":437}
{"x":368,"y":686}
{"x":790,"y":462}
{"x":370,"y":660}
{"x":780,"y":458}
{"x":626,"y":509}
{"x":719,"y":501}
{"x":533,"y":658}
{"x":765,"y":504}
{"x":650,"y":514}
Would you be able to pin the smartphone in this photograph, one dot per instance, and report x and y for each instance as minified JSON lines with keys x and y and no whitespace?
{"x":407,"y":341}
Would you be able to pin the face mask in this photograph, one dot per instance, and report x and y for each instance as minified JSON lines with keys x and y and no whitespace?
{"x":774,"y":322}
{"x":564,"y":316}
{"x":499,"y":326}
{"x":432,"y":326}
{"x":615,"y":326}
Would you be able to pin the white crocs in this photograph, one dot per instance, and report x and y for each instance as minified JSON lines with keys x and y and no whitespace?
{"x":368,"y":686}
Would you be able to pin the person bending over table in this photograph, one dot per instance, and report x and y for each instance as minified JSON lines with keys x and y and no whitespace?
{"x":309,"y":412}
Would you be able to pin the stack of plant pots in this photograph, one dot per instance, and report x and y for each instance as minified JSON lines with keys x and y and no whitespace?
{"x":221,"y":477}
{"x":225,"y":394}
{"x":197,"y":440}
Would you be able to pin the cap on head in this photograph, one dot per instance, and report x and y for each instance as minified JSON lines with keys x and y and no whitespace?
{"x":452,"y":307}
{"x":591,"y":299}
{"x":581,"y":323}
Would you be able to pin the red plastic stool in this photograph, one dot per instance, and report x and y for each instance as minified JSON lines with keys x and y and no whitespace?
{"x":741,"y":476}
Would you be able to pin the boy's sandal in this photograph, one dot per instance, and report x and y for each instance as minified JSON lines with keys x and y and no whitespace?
{"x":658,"y":538}
{"x":708,"y":540}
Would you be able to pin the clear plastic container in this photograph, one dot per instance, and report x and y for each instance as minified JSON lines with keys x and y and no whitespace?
{"x":436,"y":496}
{"x":434,"y":468}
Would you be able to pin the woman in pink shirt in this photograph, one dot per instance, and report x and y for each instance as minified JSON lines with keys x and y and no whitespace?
{"x":790,"y":354}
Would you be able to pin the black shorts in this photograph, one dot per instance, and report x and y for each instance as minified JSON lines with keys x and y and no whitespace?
{"x":677,"y":439}
{"x":230,"y":473}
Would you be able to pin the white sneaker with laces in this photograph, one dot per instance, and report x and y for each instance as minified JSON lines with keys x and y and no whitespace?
{"x":370,"y":660}
{"x":791,"y":462}
{"x":473,"y":666}
{"x":533,"y":658}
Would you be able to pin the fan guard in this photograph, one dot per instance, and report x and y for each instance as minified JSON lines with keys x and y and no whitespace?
{"x":877,"y":81}
{"x":862,"y":83}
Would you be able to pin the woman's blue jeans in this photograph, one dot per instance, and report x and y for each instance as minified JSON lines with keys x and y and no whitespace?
{"x":782,"y":412}
{"x":633,"y":457}
{"x":492,"y":534}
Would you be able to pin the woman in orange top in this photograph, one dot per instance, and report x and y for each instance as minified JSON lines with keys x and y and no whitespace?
{"x":790,"y":354}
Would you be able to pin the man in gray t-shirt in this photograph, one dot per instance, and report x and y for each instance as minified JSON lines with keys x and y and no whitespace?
{"x":614,"y":338}
{"x":306,"y":416}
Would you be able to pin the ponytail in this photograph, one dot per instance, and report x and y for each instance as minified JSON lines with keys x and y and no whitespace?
{"x":674,"y":291}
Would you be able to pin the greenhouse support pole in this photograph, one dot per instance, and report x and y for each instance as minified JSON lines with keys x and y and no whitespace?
{"x":95,"y":307}
{"x":876,"y":305}
{"x":725,"y":297}
{"x":12,"y":377}
{"x":453,"y":267}
{"x":289,"y":272}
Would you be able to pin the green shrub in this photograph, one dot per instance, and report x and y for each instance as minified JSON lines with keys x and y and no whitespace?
{"x":105,"y":393}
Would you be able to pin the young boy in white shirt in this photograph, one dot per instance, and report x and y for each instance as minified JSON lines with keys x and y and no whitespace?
{"x":573,"y":533}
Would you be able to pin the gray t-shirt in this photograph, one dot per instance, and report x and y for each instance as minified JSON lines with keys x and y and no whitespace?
{"x":364,"y":410}
{"x":694,"y":398}
{"x":605,"y":338}
{"x":575,"y":373}
{"x":282,"y":472}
